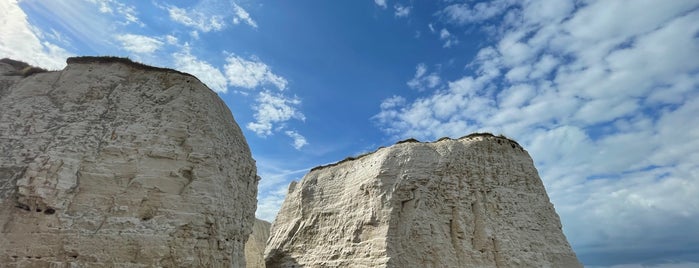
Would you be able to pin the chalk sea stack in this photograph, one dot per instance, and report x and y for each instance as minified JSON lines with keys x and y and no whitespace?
{"x":476,"y":201}
{"x":111,"y":163}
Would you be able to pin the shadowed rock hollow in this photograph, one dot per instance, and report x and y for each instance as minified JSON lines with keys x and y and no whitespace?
{"x":112,"y":163}
{"x":473,"y":202}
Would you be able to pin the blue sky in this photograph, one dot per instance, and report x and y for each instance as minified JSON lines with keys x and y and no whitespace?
{"x":603,"y":94}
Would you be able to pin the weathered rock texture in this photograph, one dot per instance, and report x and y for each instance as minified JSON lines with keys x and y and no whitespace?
{"x":255,"y":247}
{"x":473,"y":202}
{"x":109,"y":163}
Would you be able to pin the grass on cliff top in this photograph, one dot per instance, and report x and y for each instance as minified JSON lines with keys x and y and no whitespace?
{"x":125,"y":61}
{"x":412,"y":140}
{"x":22,"y":68}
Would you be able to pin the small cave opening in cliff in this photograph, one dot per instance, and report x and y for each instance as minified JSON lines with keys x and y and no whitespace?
{"x":23,"y":207}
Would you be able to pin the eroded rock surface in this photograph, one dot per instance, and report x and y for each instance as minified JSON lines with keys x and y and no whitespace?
{"x":473,"y":202}
{"x":109,"y":163}
{"x":255,"y":247}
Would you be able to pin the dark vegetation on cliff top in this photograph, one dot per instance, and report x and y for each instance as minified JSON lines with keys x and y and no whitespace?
{"x":125,"y":61}
{"x":499,"y":138}
{"x":22,"y":68}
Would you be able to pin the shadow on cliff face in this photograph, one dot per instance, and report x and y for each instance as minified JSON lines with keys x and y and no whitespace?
{"x":278,"y":259}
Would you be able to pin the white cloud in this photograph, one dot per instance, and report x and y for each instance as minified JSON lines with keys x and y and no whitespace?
{"x":128,"y":13}
{"x":207,"y":73}
{"x":198,"y":19}
{"x":605,"y":99}
{"x":402,"y":11}
{"x":210,"y":15}
{"x":299,"y":140}
{"x":273,"y":109}
{"x":381,"y":3}
{"x":270,"y":201}
{"x":20,"y":41}
{"x":171,"y":39}
{"x":274,"y":185}
{"x":448,"y":38}
{"x":392,"y":102}
{"x":251,"y":73}
{"x":139,"y":43}
{"x":421,"y":81}
{"x":194,"y":34}
{"x":465,"y":13}
{"x":81,"y":22}
{"x":242,"y":15}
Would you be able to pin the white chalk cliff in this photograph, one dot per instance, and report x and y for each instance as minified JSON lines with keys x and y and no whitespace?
{"x":255,"y":247}
{"x":110,"y":163}
{"x":473,"y":202}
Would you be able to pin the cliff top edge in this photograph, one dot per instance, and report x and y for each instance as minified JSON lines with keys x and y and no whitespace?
{"x":412,"y":140}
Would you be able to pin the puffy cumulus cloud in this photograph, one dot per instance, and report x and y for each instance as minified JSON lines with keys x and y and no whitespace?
{"x":299,"y":140}
{"x":604,"y":95}
{"x":251,"y":73}
{"x":207,"y":73}
{"x":422,"y":80}
{"x":20,"y":41}
{"x":272,"y":110}
{"x":139,"y":43}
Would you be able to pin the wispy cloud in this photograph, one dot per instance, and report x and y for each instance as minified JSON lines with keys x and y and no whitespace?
{"x":299,"y":140}
{"x":203,"y":21}
{"x":210,"y":15}
{"x":274,"y":185}
{"x":449,"y":39}
{"x":381,"y":3}
{"x":604,"y":97}
{"x":401,"y":10}
{"x":126,"y":12}
{"x":467,"y":13}
{"x":422,"y":80}
{"x":251,"y":73}
{"x":139,"y":43}
{"x":242,"y":15}
{"x":273,"y":109}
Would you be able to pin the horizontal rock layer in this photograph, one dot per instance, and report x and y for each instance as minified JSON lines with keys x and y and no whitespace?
{"x":109,"y":163}
{"x":473,"y":202}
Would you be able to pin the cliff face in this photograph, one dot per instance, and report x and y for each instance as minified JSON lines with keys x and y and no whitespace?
{"x":473,"y":202}
{"x":110,"y":163}
{"x":255,"y":247}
